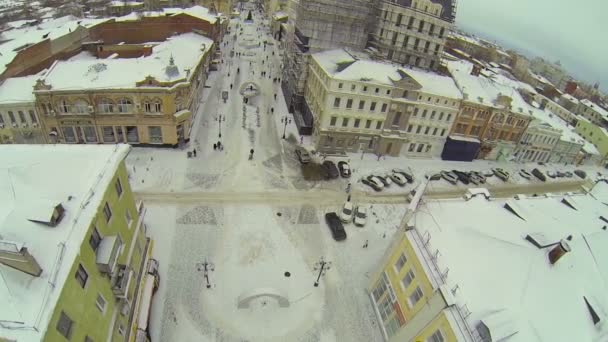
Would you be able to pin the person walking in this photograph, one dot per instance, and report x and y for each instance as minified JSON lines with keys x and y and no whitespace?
{"x":194,"y":152}
{"x":365,"y":244}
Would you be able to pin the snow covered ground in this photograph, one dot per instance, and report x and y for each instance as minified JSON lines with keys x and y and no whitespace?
{"x":253,"y":244}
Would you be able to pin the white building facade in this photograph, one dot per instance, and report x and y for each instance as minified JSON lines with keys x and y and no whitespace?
{"x":19,"y":121}
{"x":537,"y":142}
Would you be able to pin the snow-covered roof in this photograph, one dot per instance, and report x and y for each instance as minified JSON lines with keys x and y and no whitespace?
{"x":194,"y":11}
{"x":343,"y":66}
{"x":595,"y":107}
{"x":493,"y":269}
{"x":84,"y":72}
{"x":570,"y":98}
{"x":280,"y":15}
{"x":18,"y":89}
{"x":118,"y":3}
{"x":80,"y":188}
{"x":16,"y":39}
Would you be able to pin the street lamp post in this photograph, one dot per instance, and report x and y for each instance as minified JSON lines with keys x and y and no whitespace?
{"x":206,"y":267}
{"x":285,"y":120}
{"x":219,"y":120}
{"x":323,"y":266}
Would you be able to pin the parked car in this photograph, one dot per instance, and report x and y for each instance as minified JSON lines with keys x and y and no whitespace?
{"x":569,"y":174}
{"x":303,"y":155}
{"x":525,"y":174}
{"x":371,"y":184}
{"x":346,"y":214}
{"x":488,"y":173}
{"x":582,"y":174}
{"x":462,"y":176}
{"x":344,"y":169}
{"x":560,"y":174}
{"x":551,"y":174}
{"x":482,"y":178}
{"x":406,"y":174}
{"x":376,"y":181}
{"x":502,"y":174}
{"x":398,"y":178}
{"x":473,"y":178}
{"x":539,"y":174}
{"x":360,"y":216}
{"x":433,"y":176}
{"x":331,"y":171}
{"x":335,"y":226}
{"x":449,"y":176}
{"x":384,"y":179}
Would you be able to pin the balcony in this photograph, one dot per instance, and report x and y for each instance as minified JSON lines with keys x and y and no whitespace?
{"x":107,"y":253}
{"x":121,"y":282}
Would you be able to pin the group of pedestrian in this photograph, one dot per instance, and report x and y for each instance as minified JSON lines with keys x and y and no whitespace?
{"x":216,"y":147}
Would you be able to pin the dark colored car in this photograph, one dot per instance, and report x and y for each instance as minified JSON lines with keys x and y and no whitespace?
{"x":580,"y":173}
{"x":335,"y":225}
{"x":538,"y":174}
{"x":331,"y":171}
{"x":371,"y":184}
{"x":462,"y":176}
{"x":344,"y":169}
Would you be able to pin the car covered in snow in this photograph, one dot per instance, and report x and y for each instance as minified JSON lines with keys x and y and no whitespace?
{"x":569,"y":174}
{"x":303,"y":155}
{"x":335,"y":226}
{"x":449,"y":177}
{"x":398,"y":178}
{"x":551,"y":174}
{"x":376,"y":185}
{"x":386,"y":181}
{"x":480,"y":176}
{"x":331,"y":171}
{"x":408,"y":175}
{"x":360,"y":216}
{"x":344,"y":169}
{"x":539,"y":174}
{"x":346,"y":214}
{"x":502,"y":174}
{"x":525,"y":174}
{"x":432,"y":176}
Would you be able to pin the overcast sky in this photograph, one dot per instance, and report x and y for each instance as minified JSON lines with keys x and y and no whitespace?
{"x":573,"y":32}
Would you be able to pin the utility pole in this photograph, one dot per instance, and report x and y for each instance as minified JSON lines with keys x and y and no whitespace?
{"x":285,"y":120}
{"x":206,"y":267}
{"x":219,"y":120}
{"x":323,"y":266}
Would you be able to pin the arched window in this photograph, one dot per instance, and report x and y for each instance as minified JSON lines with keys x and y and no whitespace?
{"x":124,"y":105}
{"x":152,"y":106}
{"x":157,"y":106}
{"x":106,"y":106}
{"x":65,"y":106}
{"x":81,"y":107}
{"x":499,"y":118}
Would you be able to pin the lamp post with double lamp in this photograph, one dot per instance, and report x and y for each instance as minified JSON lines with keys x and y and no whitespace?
{"x":206,"y":267}
{"x":219,"y":120}
{"x":323,"y":266}
{"x":285,"y":120}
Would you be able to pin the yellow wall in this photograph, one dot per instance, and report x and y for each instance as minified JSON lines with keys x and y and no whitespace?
{"x":441,"y":322}
{"x":594,"y":134}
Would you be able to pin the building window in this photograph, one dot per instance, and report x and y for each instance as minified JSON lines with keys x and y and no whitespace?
{"x":108,"y":134}
{"x":416,"y":111}
{"x":386,"y":308}
{"x":81,"y":276}
{"x":412,"y":147}
{"x":420,"y":147}
{"x":132,"y":135}
{"x":332,"y":121}
{"x":379,"y":125}
{"x":12,"y":117}
{"x":1,"y":119}
{"x":124,"y":105}
{"x":407,"y":279}
{"x":65,"y":107}
{"x":340,"y":85}
{"x":427,"y":149}
{"x":64,"y":325}
{"x":337,"y":102}
{"x":433,"y":115}
{"x":475,"y":130}
{"x":409,"y":128}
{"x":396,"y":119}
{"x":128,"y":218}
{"x":435,"y":131}
{"x":364,"y":88}
{"x":368,"y":124}
{"x":377,"y":90}
{"x":155,"y":134}
{"x":378,"y":292}
{"x":106,"y":106}
{"x":344,"y":122}
{"x":384,"y":106}
{"x":357,"y":122}
{"x":349,"y":103}
{"x":32,"y":117}
{"x":353,"y":87}
{"x":426,"y":131}
{"x":107,"y":212}
{"x":415,"y":297}
{"x":68,"y":134}
{"x":89,"y":133}
{"x":94,"y":239}
{"x":372,"y":107}
{"x":361,"y":104}
{"x":424,"y":113}
{"x":448,"y":118}
{"x":418,"y":129}
{"x":157,"y":106}
{"x":118,"y":187}
{"x":399,"y":18}
{"x":400,"y":263}
{"x":100,"y":303}
{"x":22,"y":117}
{"x":443,"y":132}
{"x":388,"y":91}
{"x":436,"y":337}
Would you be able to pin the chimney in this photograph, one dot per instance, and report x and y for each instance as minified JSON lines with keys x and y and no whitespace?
{"x":16,"y":255}
{"x":558,"y":251}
